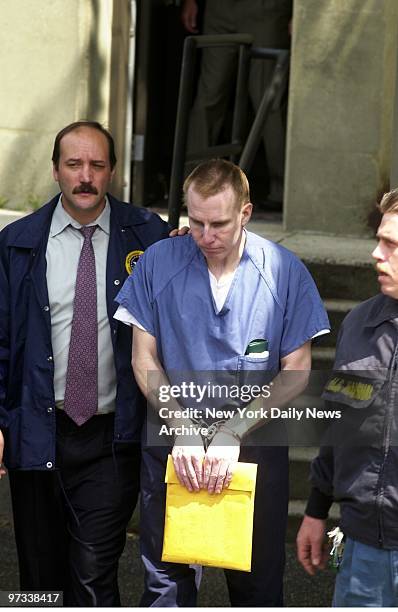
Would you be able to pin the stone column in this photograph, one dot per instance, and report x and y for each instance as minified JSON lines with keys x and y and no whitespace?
{"x":341,"y":109}
{"x":56,"y":67}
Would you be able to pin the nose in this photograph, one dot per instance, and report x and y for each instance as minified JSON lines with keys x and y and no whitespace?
{"x":207,"y":235}
{"x":85,"y":174}
{"x":378,"y":253}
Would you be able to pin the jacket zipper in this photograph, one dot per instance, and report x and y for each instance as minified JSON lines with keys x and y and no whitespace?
{"x":386,"y":445}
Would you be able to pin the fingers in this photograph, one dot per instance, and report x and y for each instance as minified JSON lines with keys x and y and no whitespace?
{"x":311,"y":549}
{"x":180,"y":471}
{"x":188,"y":468}
{"x":305,"y":557}
{"x":180,"y":232}
{"x":228,"y":478}
{"x":217,"y":474}
{"x":206,"y":472}
{"x":183,"y":230}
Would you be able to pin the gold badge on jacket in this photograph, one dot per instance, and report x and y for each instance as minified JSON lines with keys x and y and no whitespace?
{"x":131,"y":260}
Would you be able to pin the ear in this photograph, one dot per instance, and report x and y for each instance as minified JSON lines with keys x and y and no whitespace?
{"x":246,"y":212}
{"x":112,"y":174}
{"x":55,"y":173}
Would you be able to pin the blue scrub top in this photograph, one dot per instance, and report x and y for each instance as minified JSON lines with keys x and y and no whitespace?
{"x":272,"y":297}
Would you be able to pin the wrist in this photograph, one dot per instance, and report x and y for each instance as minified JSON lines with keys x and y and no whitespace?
{"x":226,"y":429}
{"x":318,"y":504}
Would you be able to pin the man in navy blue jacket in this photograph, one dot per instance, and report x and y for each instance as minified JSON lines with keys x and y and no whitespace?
{"x":74,"y":477}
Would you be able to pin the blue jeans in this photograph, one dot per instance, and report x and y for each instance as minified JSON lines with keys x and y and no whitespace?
{"x":368,"y":577}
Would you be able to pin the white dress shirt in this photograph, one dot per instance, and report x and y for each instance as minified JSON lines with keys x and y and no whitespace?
{"x":62,"y":255}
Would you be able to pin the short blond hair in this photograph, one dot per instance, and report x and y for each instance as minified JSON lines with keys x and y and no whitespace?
{"x":216,"y":175}
{"x":389,"y":202}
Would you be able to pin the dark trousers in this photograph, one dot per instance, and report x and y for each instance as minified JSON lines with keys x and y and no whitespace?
{"x":174,"y":584}
{"x":70,"y":524}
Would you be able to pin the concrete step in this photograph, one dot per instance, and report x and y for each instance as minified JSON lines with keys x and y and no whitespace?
{"x":322,"y":357}
{"x":341,"y":267}
{"x":337,"y":310}
{"x":343,"y":281}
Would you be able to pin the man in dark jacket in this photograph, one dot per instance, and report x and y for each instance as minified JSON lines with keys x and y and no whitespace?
{"x":360,"y":470}
{"x":70,"y":409}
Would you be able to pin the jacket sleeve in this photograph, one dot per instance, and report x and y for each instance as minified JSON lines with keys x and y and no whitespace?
{"x":321,"y":477}
{"x":4,"y":330}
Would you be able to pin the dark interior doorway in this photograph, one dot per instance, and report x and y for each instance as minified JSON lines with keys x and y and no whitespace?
{"x":160,"y":39}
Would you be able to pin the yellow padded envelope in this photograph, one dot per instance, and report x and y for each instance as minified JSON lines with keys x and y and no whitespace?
{"x":214,"y":530}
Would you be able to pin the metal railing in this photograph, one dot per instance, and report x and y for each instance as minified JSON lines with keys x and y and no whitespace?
{"x":240,"y":152}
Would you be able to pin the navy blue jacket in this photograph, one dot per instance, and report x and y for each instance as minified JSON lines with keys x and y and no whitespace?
{"x":27,"y":404}
{"x":358,"y":466}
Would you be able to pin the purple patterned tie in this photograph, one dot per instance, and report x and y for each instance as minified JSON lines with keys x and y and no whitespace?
{"x":81,"y":391}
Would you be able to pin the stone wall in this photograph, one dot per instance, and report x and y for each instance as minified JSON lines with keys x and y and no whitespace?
{"x":341,"y":108}
{"x":56,"y":67}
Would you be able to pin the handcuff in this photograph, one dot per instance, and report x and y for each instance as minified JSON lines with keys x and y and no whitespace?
{"x":213,"y":429}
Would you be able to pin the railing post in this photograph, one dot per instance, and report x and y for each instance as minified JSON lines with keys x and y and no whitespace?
{"x":268,"y":99}
{"x":181,"y":130}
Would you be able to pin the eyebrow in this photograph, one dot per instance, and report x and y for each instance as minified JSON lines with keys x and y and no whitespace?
{"x":92,"y":161}
{"x":211,"y":222}
{"x":383,"y":236}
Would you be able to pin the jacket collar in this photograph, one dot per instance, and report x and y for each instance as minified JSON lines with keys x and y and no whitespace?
{"x":127,"y":215}
{"x":384,"y":309}
{"x":33,"y":226}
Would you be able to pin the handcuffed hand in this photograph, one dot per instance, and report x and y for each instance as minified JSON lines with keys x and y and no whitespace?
{"x":219,"y":462}
{"x":188,"y":454}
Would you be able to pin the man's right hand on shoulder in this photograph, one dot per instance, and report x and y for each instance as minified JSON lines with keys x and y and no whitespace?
{"x":2,"y":469}
{"x":312,"y":549}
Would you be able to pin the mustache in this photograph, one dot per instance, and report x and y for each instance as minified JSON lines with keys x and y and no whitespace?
{"x":85,"y":188}
{"x":382,"y":268}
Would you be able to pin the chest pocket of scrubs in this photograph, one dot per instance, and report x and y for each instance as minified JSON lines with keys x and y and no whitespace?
{"x":362,"y":403}
{"x":248,"y":362}
{"x":253,"y":370}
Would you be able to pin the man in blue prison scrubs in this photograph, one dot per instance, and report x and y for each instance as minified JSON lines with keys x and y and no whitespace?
{"x":196,"y":303}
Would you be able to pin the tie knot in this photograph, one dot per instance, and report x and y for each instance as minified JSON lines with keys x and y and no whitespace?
{"x":88,"y":231}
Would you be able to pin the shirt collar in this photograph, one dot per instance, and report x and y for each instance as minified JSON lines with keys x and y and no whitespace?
{"x":383,"y":309}
{"x":61,"y":219}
